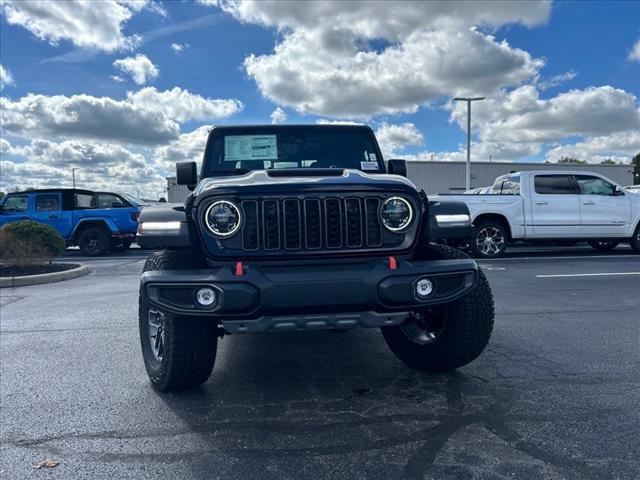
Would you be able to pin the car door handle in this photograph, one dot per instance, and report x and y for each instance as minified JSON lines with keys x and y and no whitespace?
{"x":542,"y":203}
{"x":588,"y":203}
{"x":54,"y":216}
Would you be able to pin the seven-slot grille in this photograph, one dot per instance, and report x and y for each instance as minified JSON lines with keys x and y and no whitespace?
{"x":311,"y":223}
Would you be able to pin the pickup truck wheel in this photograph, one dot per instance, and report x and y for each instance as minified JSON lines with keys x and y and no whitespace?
{"x":489,"y":240}
{"x":604,"y":246}
{"x":445,"y":337}
{"x":635,"y":240}
{"x":178,"y":351}
{"x":120,"y":246}
{"x":94,"y":242}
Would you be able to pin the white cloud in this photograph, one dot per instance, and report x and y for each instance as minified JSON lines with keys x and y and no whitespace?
{"x":182,"y":106}
{"x":360,"y":59}
{"x":620,"y":147}
{"x":188,"y":147}
{"x":557,"y":80}
{"x":522,"y":116}
{"x":111,"y":167}
{"x":146,"y":117}
{"x":634,"y":54}
{"x":394,"y":138}
{"x":179,"y":47}
{"x":514,"y":124}
{"x":278,"y":116}
{"x":95,"y":25}
{"x":324,"y":121}
{"x":140,"y":68}
{"x":73,"y":153}
{"x":5,"y":77}
{"x":117,"y":78}
{"x":87,"y":117}
{"x":372,"y":18}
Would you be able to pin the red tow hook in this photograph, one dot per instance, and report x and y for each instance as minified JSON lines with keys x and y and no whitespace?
{"x":393,"y":265}
{"x":239,"y":269}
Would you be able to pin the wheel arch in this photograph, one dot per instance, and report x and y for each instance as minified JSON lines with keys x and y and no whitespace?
{"x":494,"y":217}
{"x":84,"y":224}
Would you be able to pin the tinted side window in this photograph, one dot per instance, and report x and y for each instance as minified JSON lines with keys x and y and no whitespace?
{"x":48,"y":202}
{"x":84,"y":200}
{"x":109,"y":200}
{"x":16,"y":203}
{"x":594,"y":185}
{"x":554,"y":185}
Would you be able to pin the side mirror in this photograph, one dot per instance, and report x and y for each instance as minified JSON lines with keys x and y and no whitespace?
{"x":187,"y":174}
{"x":618,"y":192}
{"x":398,"y":167}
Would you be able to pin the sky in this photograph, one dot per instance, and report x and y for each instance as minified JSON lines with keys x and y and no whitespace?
{"x":121,"y":90}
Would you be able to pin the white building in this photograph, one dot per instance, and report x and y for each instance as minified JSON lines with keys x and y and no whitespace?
{"x":448,"y":177}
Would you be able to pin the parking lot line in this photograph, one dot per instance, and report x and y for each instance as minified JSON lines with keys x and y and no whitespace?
{"x":588,"y":274}
{"x":566,"y":257}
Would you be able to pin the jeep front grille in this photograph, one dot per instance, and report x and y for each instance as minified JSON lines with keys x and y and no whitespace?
{"x":311,"y":224}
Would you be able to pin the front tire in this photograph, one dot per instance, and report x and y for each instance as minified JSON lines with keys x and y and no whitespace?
{"x":178,"y":351}
{"x":445,"y":337}
{"x":489,"y":240}
{"x":604,"y":246}
{"x":635,"y":240}
{"x":94,"y":242}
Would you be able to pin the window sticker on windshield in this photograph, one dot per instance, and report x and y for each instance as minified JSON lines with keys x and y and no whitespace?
{"x":369,"y":165}
{"x":250,"y":147}
{"x":373,"y":158}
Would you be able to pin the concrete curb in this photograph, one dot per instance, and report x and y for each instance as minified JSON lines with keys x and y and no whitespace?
{"x":8,"y":282}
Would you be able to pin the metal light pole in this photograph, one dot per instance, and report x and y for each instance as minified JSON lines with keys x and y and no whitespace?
{"x":468,"y":100}
{"x":73,"y":174}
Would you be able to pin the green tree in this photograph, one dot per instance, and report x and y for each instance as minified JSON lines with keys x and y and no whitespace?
{"x":636,"y":169}
{"x":573,"y":160}
{"x":608,"y":161}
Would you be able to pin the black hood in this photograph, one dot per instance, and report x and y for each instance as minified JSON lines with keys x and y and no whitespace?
{"x":262,"y":181}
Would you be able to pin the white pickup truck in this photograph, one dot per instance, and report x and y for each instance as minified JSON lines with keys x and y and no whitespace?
{"x":563,"y":206}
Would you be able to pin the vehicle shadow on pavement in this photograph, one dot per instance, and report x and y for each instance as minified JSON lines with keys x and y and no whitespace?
{"x":321,"y":403}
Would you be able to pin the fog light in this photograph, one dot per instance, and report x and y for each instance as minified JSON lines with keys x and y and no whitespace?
{"x":424,"y":288}
{"x":206,"y":296}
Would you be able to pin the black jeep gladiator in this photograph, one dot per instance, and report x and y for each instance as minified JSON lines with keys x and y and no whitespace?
{"x":304,"y":227}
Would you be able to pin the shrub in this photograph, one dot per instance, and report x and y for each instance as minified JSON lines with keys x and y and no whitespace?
{"x":27,"y":242}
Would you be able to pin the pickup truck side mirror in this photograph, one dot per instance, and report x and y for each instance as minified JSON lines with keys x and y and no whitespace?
{"x":398,"y":167}
{"x":618,"y":192}
{"x":187,"y":174}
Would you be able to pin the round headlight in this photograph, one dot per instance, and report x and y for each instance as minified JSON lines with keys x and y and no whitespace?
{"x":396,"y":214}
{"x":223,"y":218}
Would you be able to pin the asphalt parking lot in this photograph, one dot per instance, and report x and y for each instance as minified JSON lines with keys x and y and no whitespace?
{"x":556,"y":395}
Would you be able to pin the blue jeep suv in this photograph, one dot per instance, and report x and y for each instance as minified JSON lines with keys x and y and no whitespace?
{"x":97,"y":222}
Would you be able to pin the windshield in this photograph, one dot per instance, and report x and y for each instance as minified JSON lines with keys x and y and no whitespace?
{"x":244,"y":149}
{"x":136,"y":202}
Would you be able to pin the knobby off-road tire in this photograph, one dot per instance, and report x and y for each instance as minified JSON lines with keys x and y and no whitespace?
{"x":465,"y":331}
{"x":188,"y":344}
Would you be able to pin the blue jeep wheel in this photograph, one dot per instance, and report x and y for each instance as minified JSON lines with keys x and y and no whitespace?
{"x":94,"y":242}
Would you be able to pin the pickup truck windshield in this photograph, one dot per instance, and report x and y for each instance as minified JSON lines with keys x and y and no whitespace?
{"x":303,"y":147}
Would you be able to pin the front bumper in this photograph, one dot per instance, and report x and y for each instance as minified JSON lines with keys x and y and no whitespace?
{"x":309,"y":297}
